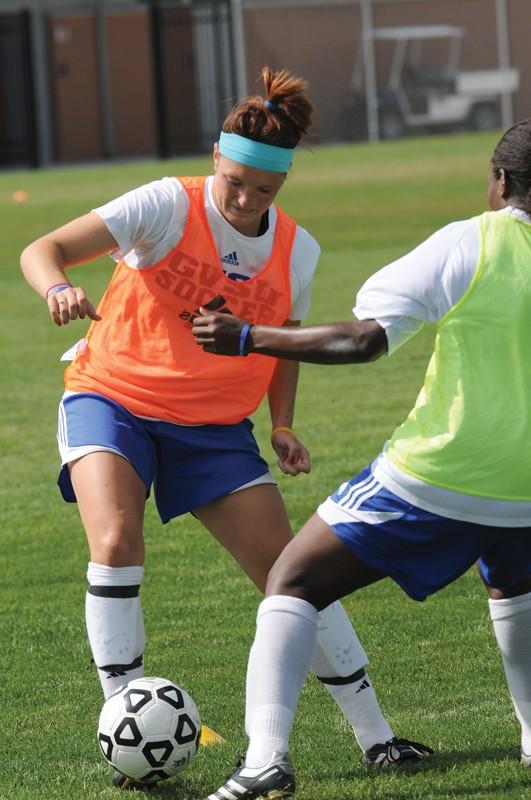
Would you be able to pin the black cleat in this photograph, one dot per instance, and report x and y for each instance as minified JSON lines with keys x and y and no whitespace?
{"x":395,"y":752}
{"x":275,"y":781}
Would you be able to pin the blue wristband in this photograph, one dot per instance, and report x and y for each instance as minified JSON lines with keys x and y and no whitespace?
{"x":244,"y":334}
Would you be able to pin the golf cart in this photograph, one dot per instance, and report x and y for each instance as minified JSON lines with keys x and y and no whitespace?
{"x":425,"y":96}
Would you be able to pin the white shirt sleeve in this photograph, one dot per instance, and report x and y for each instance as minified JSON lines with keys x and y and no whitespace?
{"x":146,"y":222}
{"x":304,"y":258}
{"x":423,"y":285}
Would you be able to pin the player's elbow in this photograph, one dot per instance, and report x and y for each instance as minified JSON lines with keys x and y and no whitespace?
{"x":26,"y":258}
{"x":370,"y":341}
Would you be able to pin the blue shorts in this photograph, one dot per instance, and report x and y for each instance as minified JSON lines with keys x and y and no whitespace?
{"x":419,"y":550}
{"x":189,"y":466}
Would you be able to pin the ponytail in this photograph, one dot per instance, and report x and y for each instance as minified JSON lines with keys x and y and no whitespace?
{"x":282,"y":117}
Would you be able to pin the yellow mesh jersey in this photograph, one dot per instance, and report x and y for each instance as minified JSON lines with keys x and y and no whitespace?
{"x":470,"y":429}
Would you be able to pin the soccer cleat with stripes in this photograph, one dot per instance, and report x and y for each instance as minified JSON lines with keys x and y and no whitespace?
{"x":275,"y":781}
{"x":395,"y":752}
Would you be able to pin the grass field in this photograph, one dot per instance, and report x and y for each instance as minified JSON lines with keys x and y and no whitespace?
{"x":435,"y":665}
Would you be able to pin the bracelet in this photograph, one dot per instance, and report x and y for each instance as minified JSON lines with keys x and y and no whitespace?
{"x":57,"y":287}
{"x":279,"y":430}
{"x":244,"y":335}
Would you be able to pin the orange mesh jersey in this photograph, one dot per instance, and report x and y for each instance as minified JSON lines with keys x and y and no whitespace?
{"x":142,"y":353}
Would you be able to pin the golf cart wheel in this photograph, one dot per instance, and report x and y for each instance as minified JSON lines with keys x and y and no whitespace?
{"x":391,"y":125}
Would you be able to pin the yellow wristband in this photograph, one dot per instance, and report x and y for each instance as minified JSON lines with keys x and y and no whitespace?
{"x":279,"y":430}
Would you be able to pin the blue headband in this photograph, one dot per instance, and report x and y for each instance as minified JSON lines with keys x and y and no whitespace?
{"x":255,"y":154}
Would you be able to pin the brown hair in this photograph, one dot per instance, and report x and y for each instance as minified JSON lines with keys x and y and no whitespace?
{"x":282,"y":117}
{"x":513,"y":155}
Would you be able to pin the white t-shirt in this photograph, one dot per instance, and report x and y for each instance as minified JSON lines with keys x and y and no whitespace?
{"x":421,"y":287}
{"x":148,"y":222}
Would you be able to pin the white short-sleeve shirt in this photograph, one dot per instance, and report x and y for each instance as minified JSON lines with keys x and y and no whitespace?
{"x":148,"y":222}
{"x":422,"y":287}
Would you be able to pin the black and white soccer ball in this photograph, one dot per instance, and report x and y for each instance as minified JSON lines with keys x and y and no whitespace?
{"x":149,"y":730}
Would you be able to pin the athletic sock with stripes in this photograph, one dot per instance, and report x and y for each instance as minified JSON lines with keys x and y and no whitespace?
{"x":339,"y":662}
{"x":115,"y":624}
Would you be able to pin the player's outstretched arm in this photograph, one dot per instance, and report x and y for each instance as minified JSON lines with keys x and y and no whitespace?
{"x":335,"y":343}
{"x":45,"y":260}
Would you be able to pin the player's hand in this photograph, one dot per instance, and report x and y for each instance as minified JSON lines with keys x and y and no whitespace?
{"x":69,"y":304}
{"x":218,"y":333}
{"x":293,"y":457}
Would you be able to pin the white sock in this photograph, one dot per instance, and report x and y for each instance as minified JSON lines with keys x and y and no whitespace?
{"x":511,"y":619}
{"x":339,"y":662}
{"x":115,"y":624}
{"x":279,"y":661}
{"x":359,"y":704}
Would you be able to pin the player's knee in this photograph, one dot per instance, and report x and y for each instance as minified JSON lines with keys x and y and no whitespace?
{"x":288,"y":578}
{"x":508,"y":592}
{"x":114,"y":547}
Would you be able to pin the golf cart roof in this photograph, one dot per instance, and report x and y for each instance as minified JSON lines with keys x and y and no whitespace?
{"x":419,"y":32}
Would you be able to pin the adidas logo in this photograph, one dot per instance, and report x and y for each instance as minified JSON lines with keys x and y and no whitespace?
{"x":231,"y":258}
{"x":364,"y":685}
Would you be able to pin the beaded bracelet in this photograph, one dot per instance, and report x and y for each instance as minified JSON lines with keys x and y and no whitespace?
{"x":57,"y":287}
{"x":244,"y":335}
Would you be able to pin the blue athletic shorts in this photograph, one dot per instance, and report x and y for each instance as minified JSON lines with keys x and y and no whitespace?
{"x":419,"y":550}
{"x":189,"y":466}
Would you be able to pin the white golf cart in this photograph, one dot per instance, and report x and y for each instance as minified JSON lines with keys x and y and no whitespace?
{"x":426,"y":96}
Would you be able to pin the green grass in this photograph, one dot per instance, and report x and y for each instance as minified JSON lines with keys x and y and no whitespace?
{"x":435,"y":665}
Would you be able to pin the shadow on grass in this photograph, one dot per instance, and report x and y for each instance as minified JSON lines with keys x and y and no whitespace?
{"x":443,"y":762}
{"x":439,"y":765}
{"x":190,"y":786}
{"x":176,"y":789}
{"x":448,"y":760}
{"x":496,"y":791}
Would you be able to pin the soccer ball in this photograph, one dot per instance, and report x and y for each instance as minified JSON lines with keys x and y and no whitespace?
{"x":149,"y":729}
